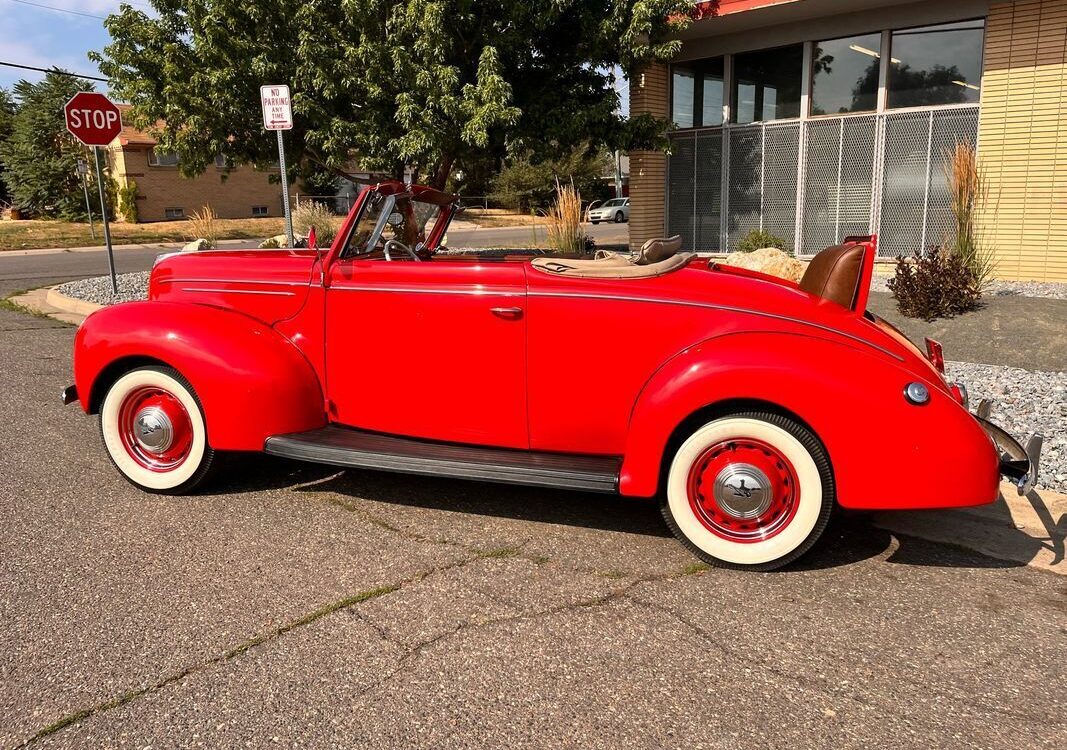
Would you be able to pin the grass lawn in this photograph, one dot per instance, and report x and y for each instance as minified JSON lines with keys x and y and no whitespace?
{"x":25,"y":235}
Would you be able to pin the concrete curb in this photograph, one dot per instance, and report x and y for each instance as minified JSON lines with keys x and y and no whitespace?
{"x":71,"y":305}
{"x":160,"y":246}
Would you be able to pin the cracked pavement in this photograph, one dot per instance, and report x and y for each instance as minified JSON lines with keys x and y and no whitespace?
{"x":304,"y":606}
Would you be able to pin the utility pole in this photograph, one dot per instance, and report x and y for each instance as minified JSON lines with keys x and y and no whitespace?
{"x":83,"y":171}
{"x":618,"y":173}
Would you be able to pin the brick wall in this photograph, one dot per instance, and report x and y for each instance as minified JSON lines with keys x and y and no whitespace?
{"x":1022,"y":139}
{"x":160,"y":188}
{"x":648,"y":169}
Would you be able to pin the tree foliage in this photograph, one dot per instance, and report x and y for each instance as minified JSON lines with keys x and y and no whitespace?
{"x":40,"y":158}
{"x":7,"y":123}
{"x":525,"y":185}
{"x":426,"y":83}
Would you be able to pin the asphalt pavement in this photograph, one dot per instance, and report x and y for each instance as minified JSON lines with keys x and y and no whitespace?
{"x":33,"y":268}
{"x":304,"y":606}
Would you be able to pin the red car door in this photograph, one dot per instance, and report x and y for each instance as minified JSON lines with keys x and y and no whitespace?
{"x":432,"y":349}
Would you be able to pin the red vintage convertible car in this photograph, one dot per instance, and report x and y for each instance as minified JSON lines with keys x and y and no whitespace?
{"x":751,"y":406}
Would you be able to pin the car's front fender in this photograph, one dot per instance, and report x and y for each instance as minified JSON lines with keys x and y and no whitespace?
{"x":251,"y":381}
{"x":885,"y":451}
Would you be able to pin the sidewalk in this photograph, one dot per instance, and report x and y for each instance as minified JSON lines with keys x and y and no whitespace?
{"x":223,"y":244}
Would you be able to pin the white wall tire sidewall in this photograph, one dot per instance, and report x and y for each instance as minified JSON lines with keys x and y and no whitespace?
{"x":109,"y":423}
{"x":739,"y":553}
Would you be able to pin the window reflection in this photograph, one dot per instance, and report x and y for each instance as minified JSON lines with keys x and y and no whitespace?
{"x":768,"y":84}
{"x":693,"y":104}
{"x":936,"y":65}
{"x":845,"y":75}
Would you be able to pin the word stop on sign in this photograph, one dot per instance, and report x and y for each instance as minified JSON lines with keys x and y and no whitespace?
{"x":93,"y":118}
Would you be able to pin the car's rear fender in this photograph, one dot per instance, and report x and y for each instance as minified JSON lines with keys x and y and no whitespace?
{"x":251,"y":381}
{"x":885,"y":452}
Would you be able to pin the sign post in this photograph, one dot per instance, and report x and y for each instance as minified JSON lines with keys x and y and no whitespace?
{"x":83,"y":172}
{"x":278,"y":116}
{"x":94,"y":120}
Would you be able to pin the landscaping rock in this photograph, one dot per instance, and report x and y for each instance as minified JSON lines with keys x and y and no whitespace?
{"x":197,"y":246}
{"x":769,"y":260}
{"x":278,"y":240}
{"x":132,"y":286}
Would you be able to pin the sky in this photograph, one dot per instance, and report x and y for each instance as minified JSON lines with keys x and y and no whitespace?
{"x":37,"y":36}
{"x":43,"y":38}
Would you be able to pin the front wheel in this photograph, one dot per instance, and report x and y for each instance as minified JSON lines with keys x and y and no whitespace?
{"x":751,"y":490}
{"x":619,"y":217}
{"x":154,"y":431}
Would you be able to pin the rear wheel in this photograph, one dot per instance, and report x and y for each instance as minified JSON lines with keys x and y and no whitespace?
{"x":154,"y":431}
{"x":751,"y":490}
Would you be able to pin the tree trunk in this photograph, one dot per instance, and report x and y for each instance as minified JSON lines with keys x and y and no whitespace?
{"x":442,"y":171}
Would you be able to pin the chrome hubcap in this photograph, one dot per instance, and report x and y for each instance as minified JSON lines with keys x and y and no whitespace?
{"x":742,"y":491}
{"x":153,"y":430}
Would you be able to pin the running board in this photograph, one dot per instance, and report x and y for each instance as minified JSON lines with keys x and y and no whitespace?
{"x":341,"y":446}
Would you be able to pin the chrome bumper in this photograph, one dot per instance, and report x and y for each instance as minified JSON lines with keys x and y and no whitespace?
{"x":1017,"y":463}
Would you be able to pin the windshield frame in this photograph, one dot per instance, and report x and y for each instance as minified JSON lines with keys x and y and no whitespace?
{"x":442,"y":219}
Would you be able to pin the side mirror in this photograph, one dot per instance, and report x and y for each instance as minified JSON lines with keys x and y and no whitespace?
{"x":312,"y":241}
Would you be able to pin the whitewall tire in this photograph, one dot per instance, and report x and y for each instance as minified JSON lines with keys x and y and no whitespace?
{"x":154,"y":431}
{"x":751,"y":490}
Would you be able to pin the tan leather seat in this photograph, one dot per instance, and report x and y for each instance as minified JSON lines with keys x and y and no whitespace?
{"x":600,"y":269}
{"x":834,"y":274}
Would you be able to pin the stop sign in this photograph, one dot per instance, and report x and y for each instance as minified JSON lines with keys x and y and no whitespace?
{"x":92,"y":118}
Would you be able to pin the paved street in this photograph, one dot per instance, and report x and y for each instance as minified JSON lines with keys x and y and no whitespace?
{"x":26,"y":270}
{"x":374,"y":610}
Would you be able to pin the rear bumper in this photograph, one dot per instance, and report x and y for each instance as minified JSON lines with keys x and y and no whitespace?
{"x":1019,"y":464}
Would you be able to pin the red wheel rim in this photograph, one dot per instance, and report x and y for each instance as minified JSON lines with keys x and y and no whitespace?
{"x":743,"y":490}
{"x":155,"y":428}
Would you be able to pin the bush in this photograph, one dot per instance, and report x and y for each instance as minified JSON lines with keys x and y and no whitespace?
{"x":940,"y":284}
{"x":205,"y":226}
{"x":128,"y":202}
{"x":757,"y":239}
{"x":564,"y":219}
{"x":314,"y":214}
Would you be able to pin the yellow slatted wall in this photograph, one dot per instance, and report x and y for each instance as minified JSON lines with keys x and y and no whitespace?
{"x":1022,"y":139}
{"x":648,"y":169}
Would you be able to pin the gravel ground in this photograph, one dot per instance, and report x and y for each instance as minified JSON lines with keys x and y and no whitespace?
{"x":1024,"y":402}
{"x":1046,"y":289}
{"x":132,"y":286}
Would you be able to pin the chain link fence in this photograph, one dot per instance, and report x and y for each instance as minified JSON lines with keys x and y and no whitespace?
{"x":815,"y":181}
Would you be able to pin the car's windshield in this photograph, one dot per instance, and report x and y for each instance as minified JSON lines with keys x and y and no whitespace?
{"x":616,"y":202}
{"x":385,"y":218}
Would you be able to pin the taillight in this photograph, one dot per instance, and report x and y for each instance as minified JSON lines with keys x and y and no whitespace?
{"x":935,"y":354}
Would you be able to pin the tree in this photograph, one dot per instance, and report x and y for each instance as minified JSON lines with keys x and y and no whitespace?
{"x":525,"y":185}
{"x":40,"y":158}
{"x":425,"y":83}
{"x":7,"y":118}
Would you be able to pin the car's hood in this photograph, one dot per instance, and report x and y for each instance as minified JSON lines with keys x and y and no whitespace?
{"x":268,"y":284}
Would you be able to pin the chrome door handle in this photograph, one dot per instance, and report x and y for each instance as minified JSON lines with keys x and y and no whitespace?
{"x":507,"y":312}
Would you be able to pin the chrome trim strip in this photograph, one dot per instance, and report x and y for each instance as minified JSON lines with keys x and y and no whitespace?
{"x":724,"y":308}
{"x":232,"y":281}
{"x":238,"y":291}
{"x":426,"y":290}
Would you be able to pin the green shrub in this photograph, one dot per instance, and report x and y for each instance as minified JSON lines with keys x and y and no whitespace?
{"x":314,"y":214}
{"x":757,"y":239}
{"x":937,"y":285}
{"x":128,"y":202}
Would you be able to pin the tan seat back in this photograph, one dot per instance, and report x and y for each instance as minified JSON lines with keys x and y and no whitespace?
{"x":834,"y":274}
{"x":658,"y":249}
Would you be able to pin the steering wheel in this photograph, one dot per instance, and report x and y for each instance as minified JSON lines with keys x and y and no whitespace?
{"x":397,"y":243}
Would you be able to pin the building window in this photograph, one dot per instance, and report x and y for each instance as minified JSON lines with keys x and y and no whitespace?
{"x":697,"y":90}
{"x":935,"y":65}
{"x":157,"y":159}
{"x":845,"y":75}
{"x":767,"y":84}
{"x":259,"y":211}
{"x":173,"y":213}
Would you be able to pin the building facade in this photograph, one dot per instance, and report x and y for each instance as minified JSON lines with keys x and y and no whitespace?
{"x":163,"y":194}
{"x":818,"y":119}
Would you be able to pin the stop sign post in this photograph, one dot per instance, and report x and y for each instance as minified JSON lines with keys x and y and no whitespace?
{"x":94,"y":120}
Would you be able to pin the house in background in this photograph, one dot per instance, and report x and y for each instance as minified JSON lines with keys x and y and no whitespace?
{"x":163,"y":194}
{"x":817,"y":119}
